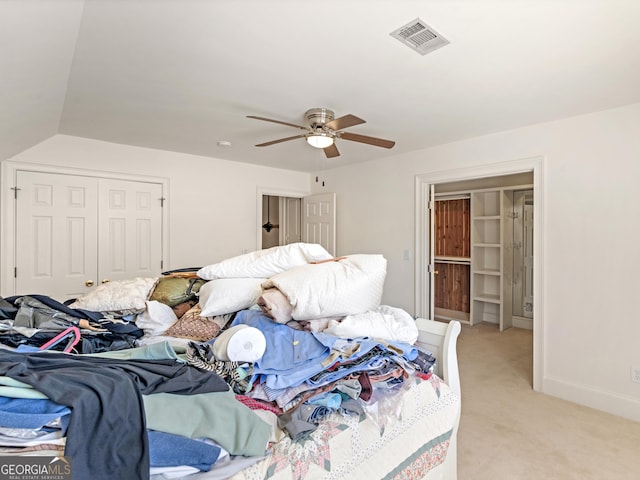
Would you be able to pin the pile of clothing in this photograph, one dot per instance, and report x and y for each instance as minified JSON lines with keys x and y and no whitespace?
{"x":40,"y":322}
{"x":305,"y":376}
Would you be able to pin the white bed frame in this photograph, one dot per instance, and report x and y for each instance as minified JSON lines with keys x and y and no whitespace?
{"x":440,"y":339}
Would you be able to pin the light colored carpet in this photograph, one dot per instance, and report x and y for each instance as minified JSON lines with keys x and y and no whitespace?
{"x":509,"y":432}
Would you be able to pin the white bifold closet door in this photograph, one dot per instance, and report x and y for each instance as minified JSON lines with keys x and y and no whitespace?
{"x":76,"y":232}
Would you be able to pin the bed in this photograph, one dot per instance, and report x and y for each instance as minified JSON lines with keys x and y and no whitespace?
{"x":269,"y":387}
{"x":412,"y":447}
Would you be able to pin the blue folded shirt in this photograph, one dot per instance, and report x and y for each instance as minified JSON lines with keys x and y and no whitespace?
{"x":170,"y":450}
{"x":30,"y":413}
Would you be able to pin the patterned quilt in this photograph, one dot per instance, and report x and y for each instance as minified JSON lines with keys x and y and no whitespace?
{"x":406,"y":439}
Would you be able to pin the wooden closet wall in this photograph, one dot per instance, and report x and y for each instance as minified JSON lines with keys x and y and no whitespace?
{"x":453,"y":255}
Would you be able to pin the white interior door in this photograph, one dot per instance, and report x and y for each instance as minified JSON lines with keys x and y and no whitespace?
{"x":319,"y":220}
{"x":56,"y":234}
{"x":130,"y":229}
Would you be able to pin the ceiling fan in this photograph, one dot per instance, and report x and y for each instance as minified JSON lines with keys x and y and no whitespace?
{"x":322,"y":130}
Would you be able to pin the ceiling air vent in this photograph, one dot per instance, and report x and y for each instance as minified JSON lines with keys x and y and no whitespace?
{"x":420,"y":37}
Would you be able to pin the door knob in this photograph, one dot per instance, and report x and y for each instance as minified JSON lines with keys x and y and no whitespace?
{"x":106,"y":280}
{"x":89,"y":283}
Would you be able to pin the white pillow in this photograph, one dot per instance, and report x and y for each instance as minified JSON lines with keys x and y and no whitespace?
{"x":228,"y":295}
{"x":118,"y":296}
{"x":156,"y":319}
{"x":265,"y":263}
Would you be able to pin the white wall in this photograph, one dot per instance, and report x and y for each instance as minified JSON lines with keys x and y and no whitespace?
{"x":591,"y":232}
{"x":212,"y":202}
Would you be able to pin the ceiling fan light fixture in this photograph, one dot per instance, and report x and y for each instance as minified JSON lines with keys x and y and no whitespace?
{"x":320,"y":140}
{"x":323,"y":128}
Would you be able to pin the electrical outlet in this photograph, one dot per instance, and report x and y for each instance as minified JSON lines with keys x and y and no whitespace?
{"x":635,"y":374}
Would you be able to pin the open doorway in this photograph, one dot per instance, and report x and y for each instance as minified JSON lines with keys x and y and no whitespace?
{"x":483,"y":236}
{"x":281,"y":220}
{"x":285,"y":218}
{"x":424,"y":257}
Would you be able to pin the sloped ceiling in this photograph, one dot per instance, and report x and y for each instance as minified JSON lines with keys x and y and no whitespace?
{"x":182,"y":75}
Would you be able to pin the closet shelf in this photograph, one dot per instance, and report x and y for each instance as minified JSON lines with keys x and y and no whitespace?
{"x":487,"y":271}
{"x":487,"y":297}
{"x":489,"y":292}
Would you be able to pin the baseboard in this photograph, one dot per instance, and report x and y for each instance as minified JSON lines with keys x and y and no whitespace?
{"x":522,"y":322}
{"x":446,"y":314}
{"x":616,"y":404}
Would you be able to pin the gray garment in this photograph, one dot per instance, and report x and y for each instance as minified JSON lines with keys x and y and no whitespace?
{"x":350,"y":387}
{"x":34,"y":314}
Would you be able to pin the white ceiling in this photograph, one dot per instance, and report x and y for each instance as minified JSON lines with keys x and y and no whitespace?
{"x":181,"y":75}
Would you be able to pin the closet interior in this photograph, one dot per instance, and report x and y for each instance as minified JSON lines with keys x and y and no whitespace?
{"x":483,"y":243}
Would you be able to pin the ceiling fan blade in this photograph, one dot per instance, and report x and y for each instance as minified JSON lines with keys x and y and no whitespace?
{"x":378,"y":142}
{"x":331,"y":151}
{"x":345,"y":121}
{"x":280,"y":140}
{"x":277,"y":121}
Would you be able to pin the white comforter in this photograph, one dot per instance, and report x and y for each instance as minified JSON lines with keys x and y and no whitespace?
{"x":349,"y":285}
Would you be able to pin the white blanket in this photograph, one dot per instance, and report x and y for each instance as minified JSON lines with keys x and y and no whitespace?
{"x":386,"y":323}
{"x":351,"y":285}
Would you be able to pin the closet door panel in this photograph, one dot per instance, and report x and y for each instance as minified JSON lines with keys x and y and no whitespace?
{"x":56,"y":228}
{"x":130,"y":229}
